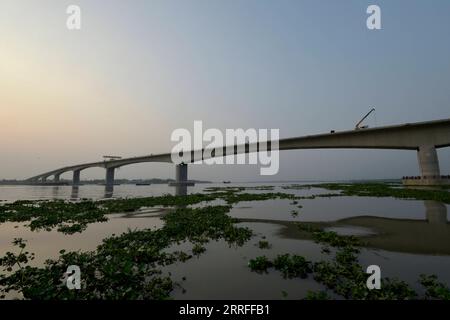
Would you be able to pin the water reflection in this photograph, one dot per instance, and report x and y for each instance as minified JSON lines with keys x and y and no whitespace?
{"x":109,"y":191}
{"x":75,"y":192}
{"x":428,"y":236}
{"x":55,"y":192}
{"x":181,"y":190}
{"x":436,"y":212}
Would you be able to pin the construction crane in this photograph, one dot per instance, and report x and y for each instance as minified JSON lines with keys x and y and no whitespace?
{"x":109,"y":158}
{"x":358,"y":125}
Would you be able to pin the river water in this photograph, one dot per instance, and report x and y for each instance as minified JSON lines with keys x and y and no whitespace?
{"x":407,"y":237}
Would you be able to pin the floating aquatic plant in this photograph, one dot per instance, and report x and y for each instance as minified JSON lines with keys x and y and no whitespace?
{"x":344,"y":275}
{"x":262,"y":244}
{"x":292,"y":266}
{"x":434,"y":289}
{"x":387,"y":190}
{"x":72,"y":217}
{"x":122,"y":267}
{"x":260,"y":264}
{"x":317,"y":295}
{"x":198,"y":249}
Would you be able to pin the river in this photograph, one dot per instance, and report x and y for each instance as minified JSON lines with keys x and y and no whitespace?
{"x":408,"y":237}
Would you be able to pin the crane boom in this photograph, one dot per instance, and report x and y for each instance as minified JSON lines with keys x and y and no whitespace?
{"x":364,"y":118}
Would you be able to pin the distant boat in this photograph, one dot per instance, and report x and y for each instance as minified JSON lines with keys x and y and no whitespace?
{"x":226,"y":181}
{"x":143,"y":184}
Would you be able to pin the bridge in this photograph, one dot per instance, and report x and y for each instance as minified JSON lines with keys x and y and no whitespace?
{"x":423,"y":137}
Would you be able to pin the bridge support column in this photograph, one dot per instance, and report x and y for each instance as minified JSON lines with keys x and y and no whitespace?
{"x":181,"y":176}
{"x":109,"y":181}
{"x":181,"y":173}
{"x":428,"y":162}
{"x":430,"y":174}
{"x":56,"y":177}
{"x":76,"y":177}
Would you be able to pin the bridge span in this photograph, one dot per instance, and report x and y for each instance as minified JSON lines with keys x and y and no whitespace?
{"x":423,"y":137}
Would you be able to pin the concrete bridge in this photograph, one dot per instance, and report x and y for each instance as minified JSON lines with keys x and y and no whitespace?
{"x":424,"y":137}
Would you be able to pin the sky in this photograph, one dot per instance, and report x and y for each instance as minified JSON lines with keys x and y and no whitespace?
{"x":137,"y":70}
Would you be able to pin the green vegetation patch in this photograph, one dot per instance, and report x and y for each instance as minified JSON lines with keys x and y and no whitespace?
{"x":317,"y":295}
{"x":343,"y":275}
{"x":387,"y":190}
{"x":292,"y":266}
{"x":347,"y":278}
{"x":260,"y":264}
{"x":232,"y":198}
{"x":434,"y":289}
{"x":71,"y":217}
{"x":68,"y":217}
{"x":263,"y":244}
{"x":122,"y":267}
{"x":238,"y":188}
{"x":333,"y":239}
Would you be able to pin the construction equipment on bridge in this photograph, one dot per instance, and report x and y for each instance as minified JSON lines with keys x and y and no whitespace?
{"x":358,"y":125}
{"x":109,"y":158}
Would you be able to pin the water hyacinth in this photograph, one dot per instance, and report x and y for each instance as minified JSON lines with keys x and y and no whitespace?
{"x":126,"y":266}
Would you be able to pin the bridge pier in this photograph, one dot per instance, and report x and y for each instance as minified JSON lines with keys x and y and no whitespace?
{"x":428,"y":161}
{"x":430,"y":174}
{"x":56,"y":177}
{"x":109,"y":181}
{"x":76,"y":177}
{"x":181,"y":176}
{"x":181,"y":173}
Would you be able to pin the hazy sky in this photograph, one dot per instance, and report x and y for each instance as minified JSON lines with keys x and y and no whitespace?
{"x":137,"y":70}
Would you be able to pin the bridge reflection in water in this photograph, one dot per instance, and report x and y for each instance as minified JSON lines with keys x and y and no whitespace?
{"x":75,"y":192}
{"x":180,"y":190}
{"x":428,"y":236}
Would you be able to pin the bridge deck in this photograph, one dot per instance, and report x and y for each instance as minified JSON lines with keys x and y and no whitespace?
{"x":408,"y":136}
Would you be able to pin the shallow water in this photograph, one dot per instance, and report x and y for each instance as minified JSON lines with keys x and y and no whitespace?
{"x":406,"y":237}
